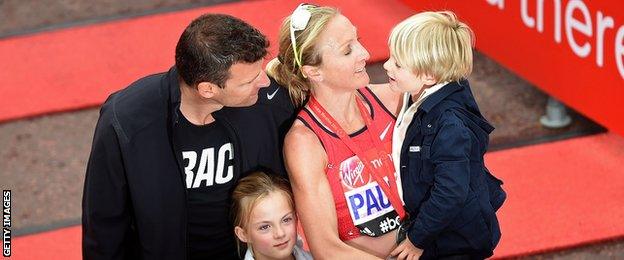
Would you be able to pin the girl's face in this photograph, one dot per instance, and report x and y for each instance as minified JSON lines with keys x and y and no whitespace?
{"x":344,"y":58}
{"x":271,"y":231}
{"x":402,"y":79}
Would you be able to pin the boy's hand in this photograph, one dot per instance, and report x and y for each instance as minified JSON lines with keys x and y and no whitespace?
{"x":406,"y":250}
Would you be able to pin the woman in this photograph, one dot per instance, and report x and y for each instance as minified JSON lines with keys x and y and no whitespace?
{"x":345,"y":207}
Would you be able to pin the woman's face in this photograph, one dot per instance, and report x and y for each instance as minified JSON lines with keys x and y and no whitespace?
{"x":272,"y":230}
{"x":344,"y":57}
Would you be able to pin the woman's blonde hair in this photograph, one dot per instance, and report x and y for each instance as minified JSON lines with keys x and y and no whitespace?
{"x":284,"y":68}
{"x":435,"y":44}
{"x":250,"y":190}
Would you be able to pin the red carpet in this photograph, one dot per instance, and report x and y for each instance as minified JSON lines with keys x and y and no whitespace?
{"x":561,"y":195}
{"x":79,"y":67}
{"x":62,"y":244}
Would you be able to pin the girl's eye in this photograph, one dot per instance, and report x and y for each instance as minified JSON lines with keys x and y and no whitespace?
{"x":263,"y":227}
{"x":397,"y":65}
{"x":348,"y":51}
{"x":288,"y":219}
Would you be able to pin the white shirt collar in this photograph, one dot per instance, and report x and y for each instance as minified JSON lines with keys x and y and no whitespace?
{"x":426,"y":93}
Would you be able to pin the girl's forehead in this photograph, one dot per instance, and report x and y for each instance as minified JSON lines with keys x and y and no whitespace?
{"x":270,"y":209}
{"x":272,"y":200}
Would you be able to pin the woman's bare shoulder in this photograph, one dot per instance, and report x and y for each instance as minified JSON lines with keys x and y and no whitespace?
{"x":301,"y":143}
{"x":299,"y":133}
{"x":388,"y":97}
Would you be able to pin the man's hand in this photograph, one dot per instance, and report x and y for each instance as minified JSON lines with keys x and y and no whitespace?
{"x":406,"y":251}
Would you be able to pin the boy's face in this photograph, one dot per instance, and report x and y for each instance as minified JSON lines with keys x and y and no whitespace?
{"x":402,"y":79}
{"x":271,"y":231}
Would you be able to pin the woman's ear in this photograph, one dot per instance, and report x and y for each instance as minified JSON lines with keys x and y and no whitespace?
{"x":241,"y":234}
{"x":312,"y":73}
{"x":207,"y":89}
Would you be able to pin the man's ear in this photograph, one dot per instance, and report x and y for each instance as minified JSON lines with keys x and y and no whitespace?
{"x":207,"y":89}
{"x":312,"y":73}
{"x":241,"y":234}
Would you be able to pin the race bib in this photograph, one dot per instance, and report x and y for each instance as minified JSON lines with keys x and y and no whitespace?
{"x":369,"y":208}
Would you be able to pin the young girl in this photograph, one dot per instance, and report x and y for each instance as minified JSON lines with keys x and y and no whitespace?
{"x":265,"y":219}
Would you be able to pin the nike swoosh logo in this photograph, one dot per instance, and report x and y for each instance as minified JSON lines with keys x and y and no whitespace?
{"x":270,"y":96}
{"x":385,"y":131}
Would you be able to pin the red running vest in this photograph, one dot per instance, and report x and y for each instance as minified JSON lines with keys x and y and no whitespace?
{"x":361,"y":206}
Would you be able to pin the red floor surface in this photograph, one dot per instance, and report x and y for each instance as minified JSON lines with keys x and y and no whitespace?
{"x":62,"y":244}
{"x":561,"y":195}
{"x":79,"y":67}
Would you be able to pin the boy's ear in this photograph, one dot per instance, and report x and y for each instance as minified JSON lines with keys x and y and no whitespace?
{"x":428,"y":80}
{"x":207,"y":89}
{"x":241,"y":234}
{"x":312,"y":73}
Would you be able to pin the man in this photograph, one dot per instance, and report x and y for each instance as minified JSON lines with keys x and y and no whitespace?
{"x":168,"y":148}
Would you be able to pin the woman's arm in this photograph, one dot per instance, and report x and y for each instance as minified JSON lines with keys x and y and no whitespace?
{"x":305,"y":161}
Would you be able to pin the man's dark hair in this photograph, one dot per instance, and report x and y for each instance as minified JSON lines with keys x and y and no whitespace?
{"x":212,"y":43}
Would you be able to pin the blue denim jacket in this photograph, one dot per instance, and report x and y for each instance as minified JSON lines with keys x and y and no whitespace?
{"x":444,"y":176}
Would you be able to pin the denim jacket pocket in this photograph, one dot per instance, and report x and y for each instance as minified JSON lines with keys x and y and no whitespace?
{"x":414,"y":160}
{"x":418,"y":165}
{"x":469,"y":231}
{"x":476,"y":233}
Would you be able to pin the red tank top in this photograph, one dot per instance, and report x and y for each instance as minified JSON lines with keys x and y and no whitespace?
{"x":361,"y":205}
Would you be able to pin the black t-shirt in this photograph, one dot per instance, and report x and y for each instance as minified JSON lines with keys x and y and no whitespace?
{"x":209,"y":174}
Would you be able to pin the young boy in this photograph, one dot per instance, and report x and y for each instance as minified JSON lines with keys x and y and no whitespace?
{"x":439,"y":140}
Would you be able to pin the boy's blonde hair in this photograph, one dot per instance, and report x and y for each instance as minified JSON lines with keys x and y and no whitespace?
{"x":284,"y":69}
{"x":436,"y":44}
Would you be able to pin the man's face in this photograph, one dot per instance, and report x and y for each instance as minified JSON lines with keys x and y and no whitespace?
{"x":241,"y":89}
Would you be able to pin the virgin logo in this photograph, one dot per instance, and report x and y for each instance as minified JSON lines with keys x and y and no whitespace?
{"x":351,"y":173}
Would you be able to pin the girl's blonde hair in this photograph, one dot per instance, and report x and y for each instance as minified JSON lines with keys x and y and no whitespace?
{"x":284,"y":68}
{"x":250,"y":190}
{"x":435,"y":44}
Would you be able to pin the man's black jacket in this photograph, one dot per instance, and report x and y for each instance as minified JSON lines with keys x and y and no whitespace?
{"x":134,"y":201}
